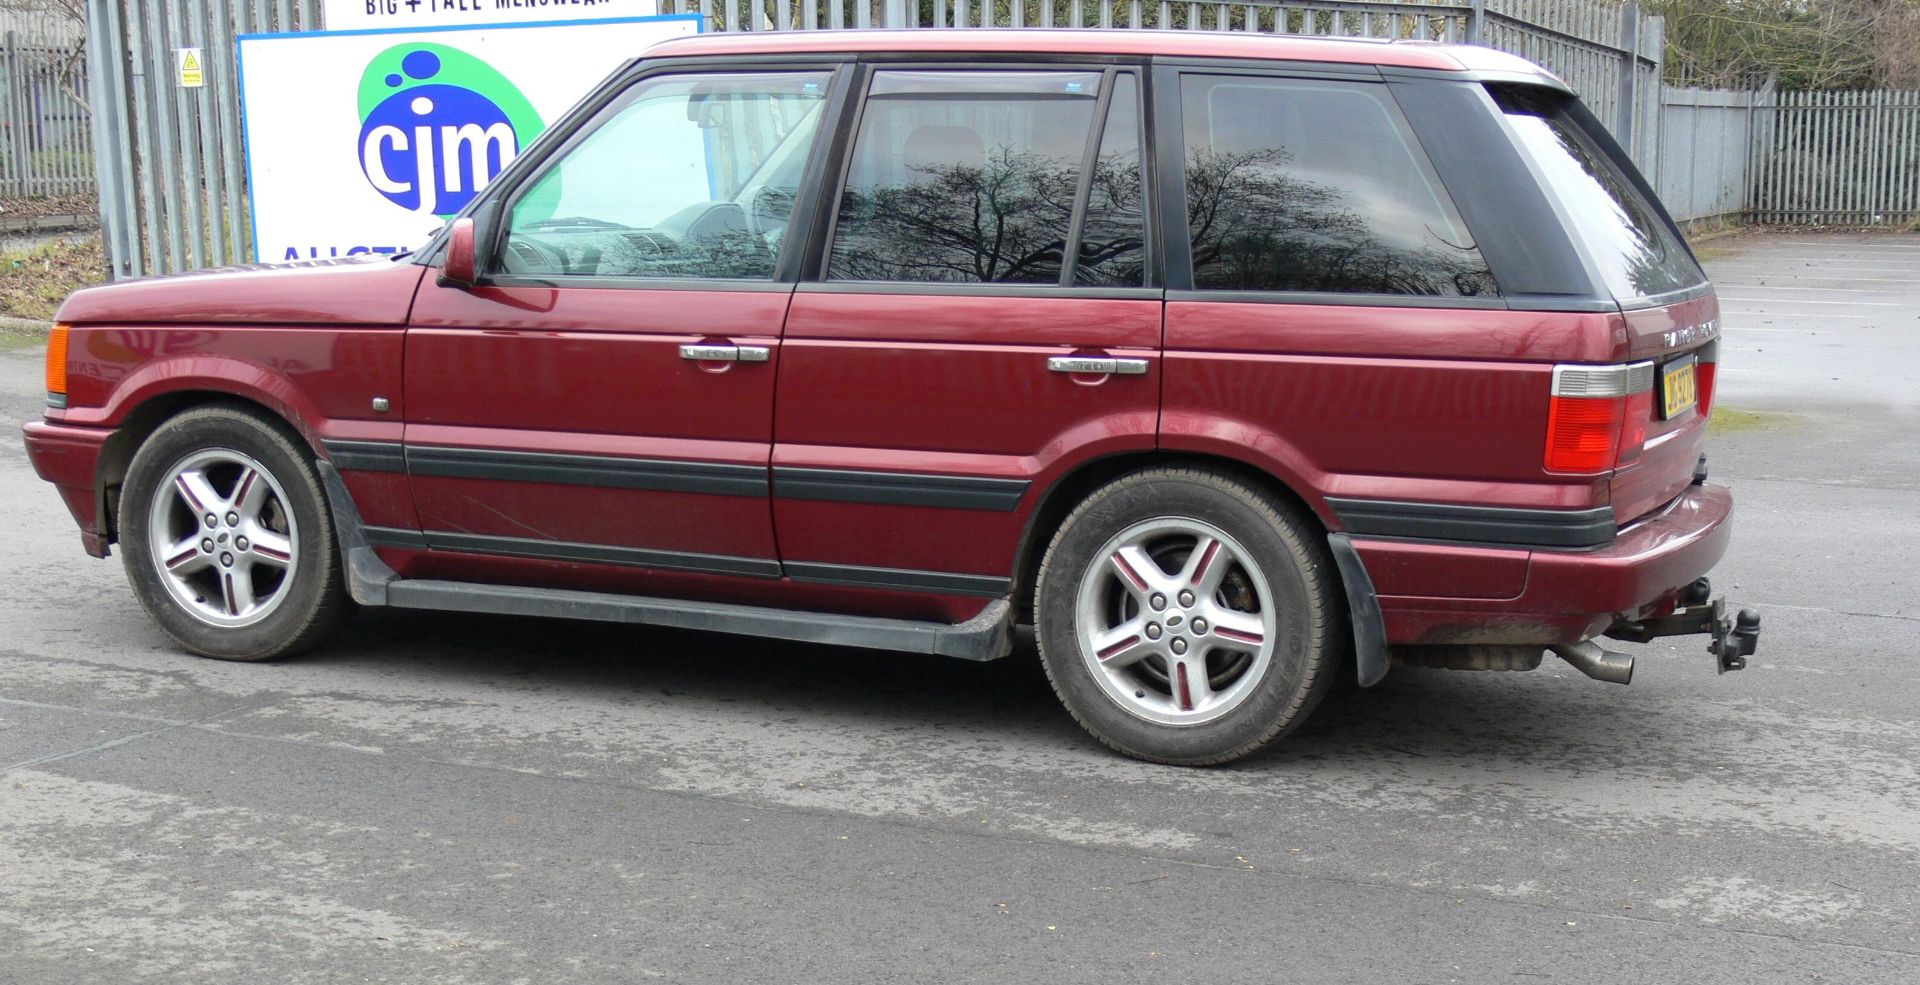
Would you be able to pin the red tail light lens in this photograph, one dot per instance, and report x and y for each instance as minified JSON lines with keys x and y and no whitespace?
{"x":1704,"y":375}
{"x":1583,"y":433}
{"x":1633,"y":426}
{"x":1598,"y":416}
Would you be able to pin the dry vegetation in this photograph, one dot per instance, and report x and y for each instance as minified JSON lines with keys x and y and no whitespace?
{"x":33,"y":282}
{"x":1804,"y":44}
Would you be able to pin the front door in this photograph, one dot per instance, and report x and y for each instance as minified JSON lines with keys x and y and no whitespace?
{"x":949,"y":361}
{"x":599,"y":412}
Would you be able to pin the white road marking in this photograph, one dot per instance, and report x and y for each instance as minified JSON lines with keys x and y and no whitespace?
{"x":1822,"y":290}
{"x":1849,"y":304}
{"x":1771,"y":314}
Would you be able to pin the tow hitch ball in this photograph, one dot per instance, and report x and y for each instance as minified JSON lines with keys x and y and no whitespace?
{"x":1734,"y":639}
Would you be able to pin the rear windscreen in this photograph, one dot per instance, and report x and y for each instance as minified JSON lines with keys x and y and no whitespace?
{"x":1638,"y":253}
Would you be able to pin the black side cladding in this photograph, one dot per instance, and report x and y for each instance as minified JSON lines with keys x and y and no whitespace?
{"x":1493,"y":525}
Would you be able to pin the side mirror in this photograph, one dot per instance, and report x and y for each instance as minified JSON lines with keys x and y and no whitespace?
{"x":461,"y":269}
{"x":470,"y":247}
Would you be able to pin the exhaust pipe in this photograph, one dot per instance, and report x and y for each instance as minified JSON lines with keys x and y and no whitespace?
{"x":1590,"y":659}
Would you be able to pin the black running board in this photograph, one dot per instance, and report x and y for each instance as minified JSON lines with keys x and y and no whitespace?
{"x":984,"y":637}
{"x":987,"y":636}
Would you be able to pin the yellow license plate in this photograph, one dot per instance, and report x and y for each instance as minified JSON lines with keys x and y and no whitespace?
{"x":1677,"y":388}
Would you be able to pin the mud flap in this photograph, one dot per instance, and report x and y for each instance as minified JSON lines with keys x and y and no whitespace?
{"x":1370,"y":657}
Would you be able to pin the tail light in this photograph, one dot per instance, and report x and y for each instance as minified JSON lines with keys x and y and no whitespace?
{"x":57,"y":367}
{"x":1705,"y":372}
{"x":1598,"y":416}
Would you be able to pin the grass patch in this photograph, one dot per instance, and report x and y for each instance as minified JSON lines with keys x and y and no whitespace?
{"x":10,"y":341}
{"x":1729,"y":420}
{"x":34,"y":282}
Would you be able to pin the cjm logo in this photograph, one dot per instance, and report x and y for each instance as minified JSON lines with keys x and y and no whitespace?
{"x":437,"y":126}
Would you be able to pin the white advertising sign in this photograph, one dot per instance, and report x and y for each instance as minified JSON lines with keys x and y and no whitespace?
{"x":353,"y":15}
{"x":367,"y":141}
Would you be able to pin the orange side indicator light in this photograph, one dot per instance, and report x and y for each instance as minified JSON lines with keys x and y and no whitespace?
{"x":57,"y":366}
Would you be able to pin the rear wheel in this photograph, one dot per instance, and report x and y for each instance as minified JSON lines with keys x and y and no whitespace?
{"x":1185,"y":617}
{"x":227,"y":539}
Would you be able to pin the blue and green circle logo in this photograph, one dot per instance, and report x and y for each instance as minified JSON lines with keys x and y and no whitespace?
{"x":438,"y":125}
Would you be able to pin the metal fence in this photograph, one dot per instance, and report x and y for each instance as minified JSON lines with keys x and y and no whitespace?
{"x":172,"y":167}
{"x":1605,"y":49}
{"x":1837,"y":158}
{"x":172,"y":178}
{"x":46,"y":142}
{"x":1704,"y":167}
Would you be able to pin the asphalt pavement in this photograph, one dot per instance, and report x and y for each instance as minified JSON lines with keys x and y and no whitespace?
{"x":451,"y":799}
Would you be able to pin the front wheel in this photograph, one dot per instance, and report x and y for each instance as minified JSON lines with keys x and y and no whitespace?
{"x":1186,"y":617}
{"x":227,"y":538}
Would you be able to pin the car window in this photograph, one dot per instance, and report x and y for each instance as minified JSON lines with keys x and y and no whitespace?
{"x":684,"y":176}
{"x":1113,"y":236}
{"x":1311,"y":185}
{"x":1638,"y":253}
{"x":964,"y":177}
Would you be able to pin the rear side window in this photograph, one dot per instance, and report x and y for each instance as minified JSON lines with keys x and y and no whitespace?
{"x":1638,"y":253}
{"x":1311,"y":185}
{"x":973,"y":178}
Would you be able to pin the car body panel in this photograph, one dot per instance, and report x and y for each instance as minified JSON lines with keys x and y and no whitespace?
{"x":373,"y":290}
{"x":592,"y":379}
{"x":943,"y":385}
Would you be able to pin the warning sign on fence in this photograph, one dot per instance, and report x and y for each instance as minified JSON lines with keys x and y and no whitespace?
{"x":192,"y":64}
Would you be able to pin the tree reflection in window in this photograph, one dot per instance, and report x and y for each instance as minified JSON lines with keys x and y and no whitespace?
{"x":1113,"y":235}
{"x":962,"y":177}
{"x":1297,"y":185}
{"x":1003,"y":220}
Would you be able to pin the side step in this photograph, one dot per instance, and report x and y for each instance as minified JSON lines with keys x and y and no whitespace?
{"x":987,"y":636}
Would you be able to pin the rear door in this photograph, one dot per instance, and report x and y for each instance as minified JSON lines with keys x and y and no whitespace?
{"x":605,"y":402}
{"x":947,"y":361}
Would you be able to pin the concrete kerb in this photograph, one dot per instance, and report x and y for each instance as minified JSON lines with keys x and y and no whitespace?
{"x":24,"y":326}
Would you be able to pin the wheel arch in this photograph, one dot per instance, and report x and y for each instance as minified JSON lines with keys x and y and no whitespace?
{"x":1356,"y":597}
{"x":139,"y":420}
{"x":1070,"y":488}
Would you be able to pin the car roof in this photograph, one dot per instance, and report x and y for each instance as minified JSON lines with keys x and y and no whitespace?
{"x":1190,"y":44}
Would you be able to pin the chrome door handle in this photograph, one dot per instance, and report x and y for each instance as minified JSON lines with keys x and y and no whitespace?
{"x":726,"y":353}
{"x":1097,"y":365}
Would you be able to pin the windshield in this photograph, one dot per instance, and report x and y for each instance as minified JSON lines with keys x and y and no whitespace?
{"x":1638,"y":252}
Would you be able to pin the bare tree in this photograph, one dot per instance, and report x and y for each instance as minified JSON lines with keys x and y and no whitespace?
{"x":73,"y":10}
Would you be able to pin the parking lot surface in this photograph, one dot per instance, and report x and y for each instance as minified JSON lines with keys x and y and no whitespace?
{"x":456,"y":799}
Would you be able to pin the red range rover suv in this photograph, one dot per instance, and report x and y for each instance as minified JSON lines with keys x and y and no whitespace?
{"x":1231,"y":363}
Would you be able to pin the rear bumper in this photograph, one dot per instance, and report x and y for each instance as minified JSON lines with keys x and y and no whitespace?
{"x":69,"y":457}
{"x":1559,"y":596}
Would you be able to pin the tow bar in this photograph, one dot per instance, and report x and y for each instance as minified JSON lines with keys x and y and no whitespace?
{"x":1734,"y":640}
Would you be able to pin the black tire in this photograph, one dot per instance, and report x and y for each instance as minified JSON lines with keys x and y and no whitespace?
{"x":315,"y":596}
{"x":1300,"y":579}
